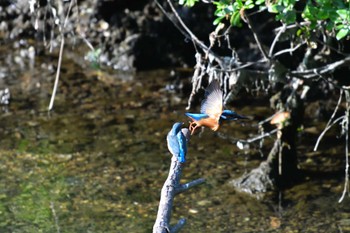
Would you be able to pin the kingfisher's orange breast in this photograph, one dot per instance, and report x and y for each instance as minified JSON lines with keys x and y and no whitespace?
{"x":208,"y":122}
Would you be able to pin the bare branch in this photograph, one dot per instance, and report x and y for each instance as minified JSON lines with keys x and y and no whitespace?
{"x":311,"y":73}
{"x":172,"y":20}
{"x":171,"y":188}
{"x":53,"y":211}
{"x":184,"y":187}
{"x":292,"y":26}
{"x":283,"y":29}
{"x":264,"y":135}
{"x":179,"y":225}
{"x":250,"y":25}
{"x":290,"y":50}
{"x":62,"y":29}
{"x":168,"y":192}
{"x":198,"y":74}
{"x":346,"y":128}
{"x":329,"y":122}
{"x":192,"y":36}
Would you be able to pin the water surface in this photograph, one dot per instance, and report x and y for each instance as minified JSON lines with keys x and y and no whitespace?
{"x":98,"y":161}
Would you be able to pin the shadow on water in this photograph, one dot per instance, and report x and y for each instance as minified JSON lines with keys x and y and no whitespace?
{"x":98,"y":161}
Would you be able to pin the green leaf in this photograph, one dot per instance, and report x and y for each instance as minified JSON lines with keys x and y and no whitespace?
{"x":343,"y":13}
{"x":299,"y":32}
{"x":250,"y":6}
{"x":235,"y":19}
{"x":342,"y":33}
{"x":189,"y":3}
{"x":285,"y":2}
{"x":322,"y":14}
{"x":340,"y":26}
{"x":240,"y":3}
{"x":249,"y":2}
{"x":220,"y":13}
{"x":273,"y":8}
{"x":259,"y":2}
{"x":290,"y":17}
{"x":329,"y":26}
{"x":310,"y":12}
{"x":218,"y":20}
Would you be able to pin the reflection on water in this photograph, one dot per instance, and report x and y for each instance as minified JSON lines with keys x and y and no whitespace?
{"x":98,"y":161}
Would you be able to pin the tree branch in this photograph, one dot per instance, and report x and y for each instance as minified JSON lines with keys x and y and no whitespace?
{"x":171,"y":188}
{"x":188,"y":33}
{"x":330,"y":123}
{"x":257,"y":40}
{"x":311,"y":73}
{"x":346,"y":130}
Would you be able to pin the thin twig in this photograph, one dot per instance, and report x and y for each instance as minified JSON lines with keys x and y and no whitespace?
{"x":249,"y":140}
{"x":193,"y":37}
{"x":62,"y":27}
{"x":172,"y":20}
{"x":178,"y":226}
{"x":332,"y":48}
{"x":268,"y":134}
{"x":288,"y":50}
{"x":257,"y":40}
{"x":57,"y":75}
{"x":52,"y":207}
{"x":184,"y":187}
{"x":315,"y":72}
{"x":346,"y":128}
{"x":277,"y":37}
{"x":260,"y":123}
{"x":327,"y":128}
{"x":198,"y":74}
{"x":330,"y":120}
{"x":296,"y":25}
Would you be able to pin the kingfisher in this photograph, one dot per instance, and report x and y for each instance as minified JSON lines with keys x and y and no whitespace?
{"x":212,"y":113}
{"x":177,"y":141}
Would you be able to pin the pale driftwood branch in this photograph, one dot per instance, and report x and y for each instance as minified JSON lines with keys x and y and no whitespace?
{"x":178,"y":225}
{"x":329,"y":124}
{"x":261,"y":136}
{"x":311,"y":73}
{"x":170,"y":188}
{"x":62,"y":29}
{"x":293,"y":26}
{"x":162,"y":224}
{"x":277,"y":37}
{"x":184,"y":187}
{"x":346,"y":130}
{"x":289,"y":50}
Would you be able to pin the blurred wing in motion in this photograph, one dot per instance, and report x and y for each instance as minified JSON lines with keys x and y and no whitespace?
{"x":212,"y":105}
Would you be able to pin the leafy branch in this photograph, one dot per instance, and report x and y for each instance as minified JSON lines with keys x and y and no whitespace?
{"x":333,"y":16}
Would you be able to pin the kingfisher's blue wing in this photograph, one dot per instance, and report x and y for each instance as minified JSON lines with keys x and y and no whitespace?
{"x":181,"y":157}
{"x":231,"y":115}
{"x":173,"y":144}
{"x":212,"y":105}
{"x":196,"y":116}
{"x":177,"y":143}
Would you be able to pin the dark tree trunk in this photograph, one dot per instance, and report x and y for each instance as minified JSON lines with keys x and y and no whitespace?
{"x":281,"y":167}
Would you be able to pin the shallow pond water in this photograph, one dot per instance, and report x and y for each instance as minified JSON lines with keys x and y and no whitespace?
{"x":98,"y":161}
